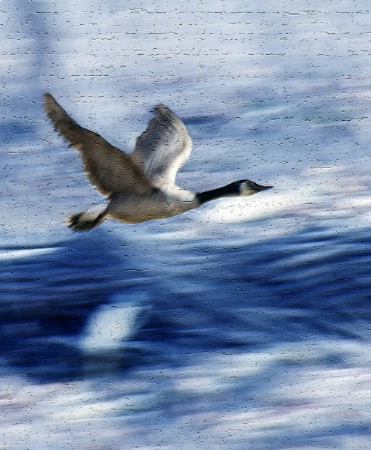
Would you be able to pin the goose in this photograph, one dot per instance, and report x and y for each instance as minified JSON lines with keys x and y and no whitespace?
{"x":140,"y":186}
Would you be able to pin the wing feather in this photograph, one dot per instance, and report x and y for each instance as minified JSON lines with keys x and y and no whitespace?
{"x":163,"y":148}
{"x":107,"y":168}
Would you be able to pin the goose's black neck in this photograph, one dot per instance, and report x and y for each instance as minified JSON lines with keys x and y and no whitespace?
{"x":207,"y":196}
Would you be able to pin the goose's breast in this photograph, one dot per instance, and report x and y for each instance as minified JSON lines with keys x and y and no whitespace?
{"x":160,"y":205}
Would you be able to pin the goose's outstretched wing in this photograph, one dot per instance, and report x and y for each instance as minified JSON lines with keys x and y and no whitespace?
{"x":163,"y":148}
{"x":108,"y":168}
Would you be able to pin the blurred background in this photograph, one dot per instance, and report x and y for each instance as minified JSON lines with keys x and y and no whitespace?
{"x":242,"y":325}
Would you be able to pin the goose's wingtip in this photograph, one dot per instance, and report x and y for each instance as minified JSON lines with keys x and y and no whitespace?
{"x":49,"y":101}
{"x":47,"y":96}
{"x":161,"y":108}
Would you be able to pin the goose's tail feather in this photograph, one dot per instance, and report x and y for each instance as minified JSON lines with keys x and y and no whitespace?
{"x":87,"y":220}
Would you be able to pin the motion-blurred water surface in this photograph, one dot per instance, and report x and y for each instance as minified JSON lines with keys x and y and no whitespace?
{"x":242,"y":325}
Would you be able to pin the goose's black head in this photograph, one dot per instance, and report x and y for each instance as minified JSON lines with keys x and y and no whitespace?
{"x":244,"y":188}
{"x":241,"y":188}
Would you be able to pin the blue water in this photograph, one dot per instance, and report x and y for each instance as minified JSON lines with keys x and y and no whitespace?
{"x":242,"y":325}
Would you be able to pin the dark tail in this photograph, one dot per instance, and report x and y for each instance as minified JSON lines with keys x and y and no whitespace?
{"x":87,"y":220}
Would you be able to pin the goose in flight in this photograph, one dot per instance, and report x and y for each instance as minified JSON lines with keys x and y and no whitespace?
{"x":140,"y":186}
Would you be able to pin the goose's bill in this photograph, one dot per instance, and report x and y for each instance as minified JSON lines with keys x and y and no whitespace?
{"x":259,"y":187}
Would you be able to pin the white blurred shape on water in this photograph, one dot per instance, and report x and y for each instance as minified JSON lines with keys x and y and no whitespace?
{"x":17,"y":254}
{"x":110,"y":326}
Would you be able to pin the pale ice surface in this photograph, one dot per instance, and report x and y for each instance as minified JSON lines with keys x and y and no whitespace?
{"x":242,"y":325}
